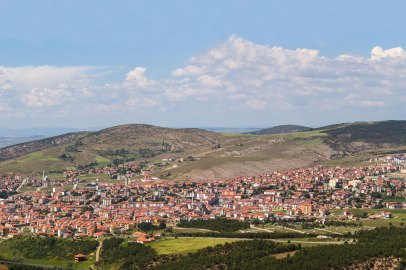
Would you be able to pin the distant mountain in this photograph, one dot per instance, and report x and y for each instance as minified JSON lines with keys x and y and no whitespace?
{"x":279,"y":130}
{"x":236,"y":130}
{"x":45,"y":132}
{"x":7,"y":141}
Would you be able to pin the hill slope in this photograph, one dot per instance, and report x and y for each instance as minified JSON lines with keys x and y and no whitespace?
{"x":219,"y":155}
{"x":279,"y":130}
{"x":33,"y":146}
{"x":359,"y":136}
{"x":113,"y":145}
{"x":7,"y":141}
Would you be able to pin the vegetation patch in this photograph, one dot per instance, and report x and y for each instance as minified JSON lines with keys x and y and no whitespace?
{"x":219,"y":224}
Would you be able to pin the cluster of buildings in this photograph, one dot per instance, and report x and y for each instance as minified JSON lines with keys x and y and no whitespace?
{"x":116,"y":208}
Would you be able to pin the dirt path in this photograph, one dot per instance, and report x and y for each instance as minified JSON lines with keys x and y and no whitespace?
{"x":98,"y":250}
{"x":293,"y":230}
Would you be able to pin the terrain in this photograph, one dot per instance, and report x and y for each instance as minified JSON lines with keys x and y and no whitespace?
{"x":33,"y":146}
{"x":7,"y":141}
{"x":207,"y":154}
{"x":279,"y":130}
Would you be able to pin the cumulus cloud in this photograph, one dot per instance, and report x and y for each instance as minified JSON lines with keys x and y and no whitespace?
{"x":46,"y":97}
{"x":236,"y":73}
{"x":378,"y":53}
{"x":136,"y":79}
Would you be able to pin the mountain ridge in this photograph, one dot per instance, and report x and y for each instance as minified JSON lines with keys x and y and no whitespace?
{"x":279,"y":130}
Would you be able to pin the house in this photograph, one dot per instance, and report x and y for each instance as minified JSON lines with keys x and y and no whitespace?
{"x":143,"y":240}
{"x":80,"y":258}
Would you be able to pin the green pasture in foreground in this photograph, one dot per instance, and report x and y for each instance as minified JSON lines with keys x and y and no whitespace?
{"x":185,"y":245}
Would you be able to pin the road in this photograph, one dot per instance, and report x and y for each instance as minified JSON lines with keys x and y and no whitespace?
{"x":252,"y":226}
{"x":22,"y":184}
{"x":275,"y":240}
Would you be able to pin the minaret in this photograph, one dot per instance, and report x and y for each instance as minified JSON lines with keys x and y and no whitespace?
{"x":43,"y":175}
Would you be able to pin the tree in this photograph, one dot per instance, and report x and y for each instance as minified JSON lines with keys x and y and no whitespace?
{"x":162,"y":224}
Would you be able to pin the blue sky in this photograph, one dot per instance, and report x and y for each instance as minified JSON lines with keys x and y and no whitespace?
{"x":200,"y":63}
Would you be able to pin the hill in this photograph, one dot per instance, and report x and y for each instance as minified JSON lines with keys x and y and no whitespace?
{"x":216,"y":155}
{"x":360,"y":136}
{"x":279,"y":130}
{"x":113,"y":145}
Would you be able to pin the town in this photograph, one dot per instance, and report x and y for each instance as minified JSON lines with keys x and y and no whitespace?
{"x":74,"y":207}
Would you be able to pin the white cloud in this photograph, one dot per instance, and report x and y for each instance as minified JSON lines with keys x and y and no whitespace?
{"x":378,"y":53}
{"x":255,"y":104}
{"x":45,"y":98}
{"x":190,"y":71}
{"x":210,"y":81}
{"x":43,"y":76}
{"x":235,"y":74}
{"x":136,"y":79}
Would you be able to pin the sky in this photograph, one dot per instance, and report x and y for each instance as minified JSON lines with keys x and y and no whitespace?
{"x":201,"y":63}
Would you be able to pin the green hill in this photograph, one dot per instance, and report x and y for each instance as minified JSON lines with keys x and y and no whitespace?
{"x":279,"y":130}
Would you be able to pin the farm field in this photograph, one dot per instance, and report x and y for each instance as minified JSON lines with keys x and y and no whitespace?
{"x":185,"y":245}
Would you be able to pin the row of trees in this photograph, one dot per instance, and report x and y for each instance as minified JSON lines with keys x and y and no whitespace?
{"x":219,"y":224}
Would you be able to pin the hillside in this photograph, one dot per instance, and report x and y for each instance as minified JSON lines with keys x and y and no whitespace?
{"x":113,"y":145}
{"x":219,"y":155}
{"x":7,"y":141}
{"x":366,"y":135}
{"x":33,"y":146}
{"x":279,"y":130}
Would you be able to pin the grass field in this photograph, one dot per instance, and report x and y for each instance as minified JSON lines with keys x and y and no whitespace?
{"x":185,"y":245}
